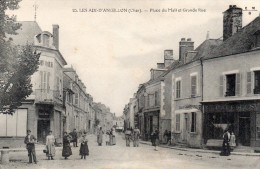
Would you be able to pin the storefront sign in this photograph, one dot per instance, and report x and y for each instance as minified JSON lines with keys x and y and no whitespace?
{"x":239,"y":107}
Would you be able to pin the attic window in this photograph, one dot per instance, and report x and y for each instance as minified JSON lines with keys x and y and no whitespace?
{"x":46,"y":40}
{"x":38,"y":37}
{"x":257,"y":38}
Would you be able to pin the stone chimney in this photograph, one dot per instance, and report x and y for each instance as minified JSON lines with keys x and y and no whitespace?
{"x":55,"y":32}
{"x":232,"y":21}
{"x":184,"y":47}
{"x":168,"y":57}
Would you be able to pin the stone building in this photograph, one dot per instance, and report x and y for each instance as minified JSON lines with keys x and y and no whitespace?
{"x":231,"y":91}
{"x":78,"y":103}
{"x":43,"y":110}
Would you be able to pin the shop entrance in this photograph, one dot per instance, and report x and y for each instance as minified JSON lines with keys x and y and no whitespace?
{"x":42,"y":130}
{"x":244,"y":130}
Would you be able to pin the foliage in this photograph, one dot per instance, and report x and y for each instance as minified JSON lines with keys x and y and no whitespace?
{"x":17,"y":63}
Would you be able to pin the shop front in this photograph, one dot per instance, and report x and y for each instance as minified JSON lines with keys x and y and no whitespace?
{"x":151,"y":123}
{"x":240,"y":117}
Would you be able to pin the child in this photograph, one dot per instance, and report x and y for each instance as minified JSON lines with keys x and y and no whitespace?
{"x":83,"y":151}
{"x":233,"y":140}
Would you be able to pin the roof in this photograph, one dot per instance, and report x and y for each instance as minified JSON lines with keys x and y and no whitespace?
{"x":26,"y":33}
{"x":240,"y":42}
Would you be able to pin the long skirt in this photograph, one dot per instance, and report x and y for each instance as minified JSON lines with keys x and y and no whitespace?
{"x":99,"y":139}
{"x":50,"y":150}
{"x":113,"y":140}
{"x":83,"y":149}
{"x":225,"y":149}
{"x":66,"y":151}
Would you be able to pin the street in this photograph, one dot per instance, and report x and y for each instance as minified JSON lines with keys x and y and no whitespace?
{"x":121,"y":157}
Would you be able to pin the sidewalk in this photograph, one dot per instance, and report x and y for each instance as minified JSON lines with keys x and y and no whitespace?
{"x":200,"y":150}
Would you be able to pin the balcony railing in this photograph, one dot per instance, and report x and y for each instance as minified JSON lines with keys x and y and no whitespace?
{"x":44,"y":95}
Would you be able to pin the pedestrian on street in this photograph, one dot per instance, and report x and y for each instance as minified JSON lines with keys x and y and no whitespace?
{"x":225,"y":146}
{"x":66,"y":150}
{"x":165,"y":136}
{"x":136,"y":135}
{"x":100,"y":136}
{"x":30,"y":141}
{"x":232,"y":140}
{"x":113,"y":132}
{"x":169,"y":137}
{"x":50,"y":147}
{"x":128,"y":134}
{"x":84,"y":151}
{"x":74,"y":136}
{"x":155,"y":139}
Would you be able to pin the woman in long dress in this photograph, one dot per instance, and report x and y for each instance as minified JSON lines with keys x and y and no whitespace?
{"x":100,"y":136}
{"x":113,"y":132}
{"x":66,"y":151}
{"x":50,"y":140}
{"x":84,"y":151}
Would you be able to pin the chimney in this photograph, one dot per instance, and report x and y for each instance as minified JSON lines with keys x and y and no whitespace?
{"x":232,"y":21}
{"x":168,"y":57}
{"x":184,"y":47}
{"x":55,"y":29}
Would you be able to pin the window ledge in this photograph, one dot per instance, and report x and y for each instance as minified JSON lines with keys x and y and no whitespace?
{"x":177,"y":132}
{"x":194,"y":133}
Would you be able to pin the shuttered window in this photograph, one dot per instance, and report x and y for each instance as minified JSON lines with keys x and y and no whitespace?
{"x":178,"y":120}
{"x":178,"y":89}
{"x":193,"y":121}
{"x":221,"y":87}
{"x":193,"y":86}
{"x":238,"y":84}
{"x":248,"y":84}
{"x":257,"y":82}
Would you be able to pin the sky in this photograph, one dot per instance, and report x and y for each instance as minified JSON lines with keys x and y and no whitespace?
{"x":113,"y":52}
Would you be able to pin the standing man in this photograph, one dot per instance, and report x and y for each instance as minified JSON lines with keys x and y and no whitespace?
{"x":30,"y":146}
{"x":136,"y":135}
{"x":74,"y":136}
{"x":100,"y":136}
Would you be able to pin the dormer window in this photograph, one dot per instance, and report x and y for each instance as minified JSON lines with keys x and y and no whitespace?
{"x":46,"y":40}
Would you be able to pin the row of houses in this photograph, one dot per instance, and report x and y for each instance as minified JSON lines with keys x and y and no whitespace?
{"x":59,"y":101}
{"x":208,"y":89}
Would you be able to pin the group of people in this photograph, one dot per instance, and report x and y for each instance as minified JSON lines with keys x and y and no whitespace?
{"x":132,"y":134}
{"x":30,"y":141}
{"x":110,"y":133}
{"x":229,"y":140}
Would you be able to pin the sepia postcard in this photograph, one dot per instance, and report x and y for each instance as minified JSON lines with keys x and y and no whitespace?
{"x":130,"y":84}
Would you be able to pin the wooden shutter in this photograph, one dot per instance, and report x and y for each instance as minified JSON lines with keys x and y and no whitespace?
{"x":48,"y":81}
{"x":221,"y":86}
{"x":238,"y":84}
{"x":193,"y":85}
{"x":41,"y":80}
{"x":248,"y":84}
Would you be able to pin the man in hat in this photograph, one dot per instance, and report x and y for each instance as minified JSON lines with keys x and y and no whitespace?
{"x":30,"y":146}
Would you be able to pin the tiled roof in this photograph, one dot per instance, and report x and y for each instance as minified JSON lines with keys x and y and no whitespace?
{"x":240,"y":42}
{"x":26,"y":33}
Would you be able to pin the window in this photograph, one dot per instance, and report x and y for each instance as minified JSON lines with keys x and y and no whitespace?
{"x":41,"y":62}
{"x":178,"y":89}
{"x":257,"y":82}
{"x":45,"y":81}
{"x":46,"y":40}
{"x":150,"y":100}
{"x":231,"y":85}
{"x":193,"y":86}
{"x":193,"y":122}
{"x":156,"y":98}
{"x":178,"y":120}
{"x":76,"y":98}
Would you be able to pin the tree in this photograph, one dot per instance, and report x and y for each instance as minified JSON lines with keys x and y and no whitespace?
{"x":17,"y":64}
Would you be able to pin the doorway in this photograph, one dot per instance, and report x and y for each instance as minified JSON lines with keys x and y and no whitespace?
{"x":244,"y":131}
{"x":42,"y":130}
